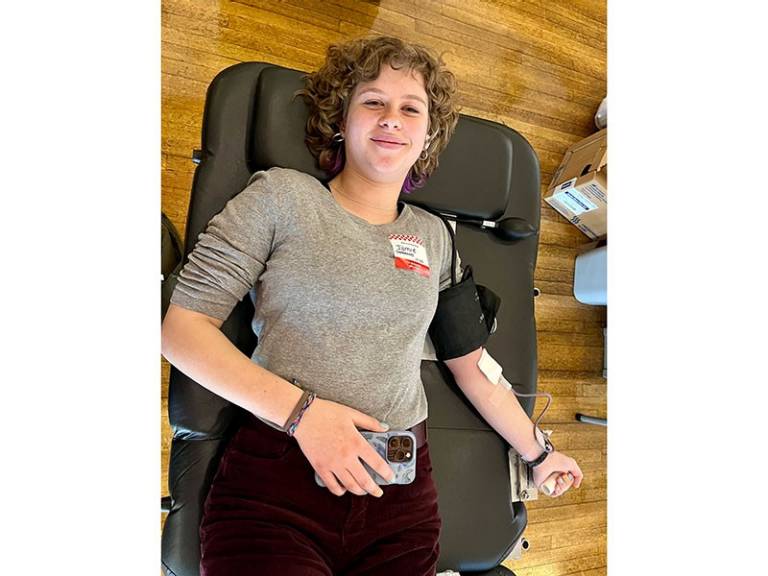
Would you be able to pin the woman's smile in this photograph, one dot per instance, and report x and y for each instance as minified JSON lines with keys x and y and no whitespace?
{"x":387,"y":144}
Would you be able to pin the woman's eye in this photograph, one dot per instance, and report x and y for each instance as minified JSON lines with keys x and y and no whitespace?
{"x":410,"y":109}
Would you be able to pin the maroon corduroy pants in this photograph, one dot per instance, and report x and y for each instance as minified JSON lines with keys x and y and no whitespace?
{"x":265,"y":515}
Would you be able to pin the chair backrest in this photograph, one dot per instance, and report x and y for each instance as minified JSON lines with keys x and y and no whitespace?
{"x":488,"y":171}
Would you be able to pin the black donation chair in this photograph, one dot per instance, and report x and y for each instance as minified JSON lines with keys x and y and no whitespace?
{"x":488,"y":172}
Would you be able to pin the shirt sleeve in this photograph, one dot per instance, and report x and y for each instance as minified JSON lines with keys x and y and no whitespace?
{"x":445,"y":270}
{"x":231,"y":254}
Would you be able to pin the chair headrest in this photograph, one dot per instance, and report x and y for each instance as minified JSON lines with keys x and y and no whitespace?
{"x":478,"y":157}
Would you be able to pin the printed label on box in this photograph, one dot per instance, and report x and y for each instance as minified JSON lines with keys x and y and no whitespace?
{"x":583,"y":227}
{"x":595,"y":191}
{"x":575,"y":201}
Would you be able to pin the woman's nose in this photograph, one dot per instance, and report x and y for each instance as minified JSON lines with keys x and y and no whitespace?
{"x":390,"y":119}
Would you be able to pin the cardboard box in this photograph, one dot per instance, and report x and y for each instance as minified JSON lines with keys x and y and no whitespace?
{"x":579,"y":188}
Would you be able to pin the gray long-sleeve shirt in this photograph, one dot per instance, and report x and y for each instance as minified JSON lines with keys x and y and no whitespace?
{"x":340,"y":304}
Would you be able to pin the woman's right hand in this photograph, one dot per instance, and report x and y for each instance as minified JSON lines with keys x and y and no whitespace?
{"x":566,"y":471}
{"x":329,"y":438}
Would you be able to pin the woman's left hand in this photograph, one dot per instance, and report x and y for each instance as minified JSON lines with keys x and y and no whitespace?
{"x":563,"y":467}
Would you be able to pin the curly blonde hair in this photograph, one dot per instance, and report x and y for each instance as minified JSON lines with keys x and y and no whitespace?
{"x":328,"y":90}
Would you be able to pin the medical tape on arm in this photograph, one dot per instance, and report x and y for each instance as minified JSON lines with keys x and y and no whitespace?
{"x":494,"y":373}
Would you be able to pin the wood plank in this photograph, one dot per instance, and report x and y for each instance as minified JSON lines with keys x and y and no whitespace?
{"x":364,"y":14}
{"x":573,"y":565}
{"x":586,"y":493}
{"x":562,"y":233}
{"x":526,"y":35}
{"x":299,"y":11}
{"x":561,"y":288}
{"x":165,"y":373}
{"x":556,"y":271}
{"x":537,"y":557}
{"x":165,"y":446}
{"x":539,"y":540}
{"x":569,"y":307}
{"x":564,"y":409}
{"x":564,"y":16}
{"x":570,"y":538}
{"x":536,"y":109}
{"x":594,"y":512}
{"x":493,"y":71}
{"x":236,"y":23}
{"x":575,"y":326}
{"x":573,"y":387}
{"x":569,"y":434}
{"x":560,"y":339}
{"x":200,"y":58}
{"x":236,"y":44}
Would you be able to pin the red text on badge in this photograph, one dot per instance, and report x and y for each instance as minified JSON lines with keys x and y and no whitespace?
{"x":409,"y":253}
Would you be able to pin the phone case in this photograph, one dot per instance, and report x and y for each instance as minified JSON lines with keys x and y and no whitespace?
{"x":405,"y":471}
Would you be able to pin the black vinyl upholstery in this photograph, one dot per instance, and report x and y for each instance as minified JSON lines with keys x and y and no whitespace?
{"x":251,"y":122}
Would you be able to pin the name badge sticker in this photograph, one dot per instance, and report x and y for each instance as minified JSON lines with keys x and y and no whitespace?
{"x":410,"y":253}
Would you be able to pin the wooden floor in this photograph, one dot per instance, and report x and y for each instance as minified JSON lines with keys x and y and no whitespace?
{"x":537,"y":66}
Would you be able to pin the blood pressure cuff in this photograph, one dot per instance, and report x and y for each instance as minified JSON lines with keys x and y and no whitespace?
{"x":464,"y":318}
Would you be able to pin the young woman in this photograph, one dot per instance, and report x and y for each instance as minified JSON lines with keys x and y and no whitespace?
{"x":342,"y":325}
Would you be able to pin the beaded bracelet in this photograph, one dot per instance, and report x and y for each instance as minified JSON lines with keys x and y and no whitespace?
{"x":292,"y":427}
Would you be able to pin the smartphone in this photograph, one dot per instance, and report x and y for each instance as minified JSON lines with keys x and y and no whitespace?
{"x":398,"y":448}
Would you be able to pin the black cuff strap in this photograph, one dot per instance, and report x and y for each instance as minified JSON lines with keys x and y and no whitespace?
{"x":539,"y":460}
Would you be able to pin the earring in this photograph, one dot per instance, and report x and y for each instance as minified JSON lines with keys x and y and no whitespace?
{"x":338,"y":138}
{"x":425,"y":152}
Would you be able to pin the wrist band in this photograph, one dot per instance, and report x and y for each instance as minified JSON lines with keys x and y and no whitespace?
{"x":545,"y":443}
{"x":296,"y":410}
{"x":539,"y":460}
{"x":310,"y":397}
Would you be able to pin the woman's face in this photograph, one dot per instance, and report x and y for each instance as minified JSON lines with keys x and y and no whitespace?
{"x":386,"y":125}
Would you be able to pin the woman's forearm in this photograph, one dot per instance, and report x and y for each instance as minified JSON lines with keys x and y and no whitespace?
{"x":497,"y":405}
{"x":194,"y":344}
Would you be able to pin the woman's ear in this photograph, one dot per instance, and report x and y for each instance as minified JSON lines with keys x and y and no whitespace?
{"x":428,"y":140}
